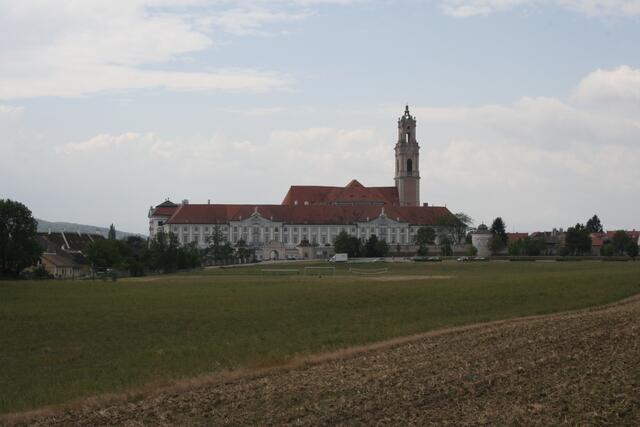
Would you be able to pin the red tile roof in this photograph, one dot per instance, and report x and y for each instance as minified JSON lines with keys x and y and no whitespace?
{"x":354,"y":192}
{"x":635,"y":235}
{"x":301,"y":214}
{"x":598,"y":239}
{"x":164,"y":211}
{"x":514,"y":237}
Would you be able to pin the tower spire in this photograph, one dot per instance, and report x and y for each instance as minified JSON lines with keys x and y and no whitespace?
{"x":407,"y":150}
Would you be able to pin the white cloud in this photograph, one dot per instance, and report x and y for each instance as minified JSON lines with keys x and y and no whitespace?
{"x":78,"y":47}
{"x":249,"y":20}
{"x":10,"y":110}
{"x":465,"y":8}
{"x":105,"y":141}
{"x":618,"y":86}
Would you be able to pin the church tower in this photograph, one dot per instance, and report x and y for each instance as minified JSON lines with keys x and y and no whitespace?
{"x":407,"y":161}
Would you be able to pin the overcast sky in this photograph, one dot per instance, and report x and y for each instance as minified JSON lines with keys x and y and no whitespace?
{"x":526,"y":109}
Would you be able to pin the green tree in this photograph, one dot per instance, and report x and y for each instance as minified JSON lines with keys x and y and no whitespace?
{"x":348,"y":244}
{"x":189,"y":256}
{"x":381,"y":248}
{"x":527,"y":246}
{"x":136,"y":255}
{"x":607,"y":250}
{"x":424,"y":237}
{"x":445,"y":243}
{"x":632,"y":249}
{"x":163,"y":252}
{"x":112,"y":232}
{"x":461,"y":226}
{"x":455,"y":226}
{"x":242,"y":251}
{"x":370,"y":246}
{"x":18,"y":246}
{"x":594,"y":225}
{"x":577,"y":240}
{"x":216,"y":244}
{"x":620,"y":241}
{"x":106,"y":253}
{"x":499,"y":235}
{"x":341,"y":244}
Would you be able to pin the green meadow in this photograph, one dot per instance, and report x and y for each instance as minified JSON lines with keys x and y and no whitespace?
{"x":64,"y":340}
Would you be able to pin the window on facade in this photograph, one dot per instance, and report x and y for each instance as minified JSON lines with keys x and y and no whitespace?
{"x":160,"y":223}
{"x":409,"y":165}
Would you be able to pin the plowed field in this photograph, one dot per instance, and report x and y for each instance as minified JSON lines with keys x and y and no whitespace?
{"x":573,"y":368}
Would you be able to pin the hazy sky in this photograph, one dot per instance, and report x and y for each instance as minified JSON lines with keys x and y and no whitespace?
{"x":527,"y":109}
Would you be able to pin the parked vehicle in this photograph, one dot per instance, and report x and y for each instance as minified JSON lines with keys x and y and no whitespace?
{"x":339,"y":258}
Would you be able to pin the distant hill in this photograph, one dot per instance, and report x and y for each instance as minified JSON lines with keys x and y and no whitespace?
{"x":45,"y":226}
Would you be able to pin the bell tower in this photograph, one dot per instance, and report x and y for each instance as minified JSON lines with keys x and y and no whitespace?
{"x":407,"y":161}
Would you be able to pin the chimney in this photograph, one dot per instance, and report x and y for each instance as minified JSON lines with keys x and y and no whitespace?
{"x":424,"y":205}
{"x":185,"y":202}
{"x":208,"y":201}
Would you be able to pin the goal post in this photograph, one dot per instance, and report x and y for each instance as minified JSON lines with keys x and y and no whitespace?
{"x":368,"y":271}
{"x":279,"y":271}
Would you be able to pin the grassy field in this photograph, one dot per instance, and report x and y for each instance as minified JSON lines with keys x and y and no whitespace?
{"x":61,"y":341}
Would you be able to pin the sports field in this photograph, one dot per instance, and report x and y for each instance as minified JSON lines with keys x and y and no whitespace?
{"x":62,"y":341}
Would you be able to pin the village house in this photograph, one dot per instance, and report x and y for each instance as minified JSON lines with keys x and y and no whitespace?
{"x":64,"y":253}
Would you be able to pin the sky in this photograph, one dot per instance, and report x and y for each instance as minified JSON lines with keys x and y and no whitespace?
{"x":526,"y":109}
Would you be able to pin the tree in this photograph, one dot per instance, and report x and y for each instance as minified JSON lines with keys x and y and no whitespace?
{"x":216,"y":245}
{"x":632,"y":249}
{"x":163,"y":252}
{"x":593,"y":225}
{"x":136,"y":255}
{"x":620,"y":241}
{"x":607,"y":250}
{"x":527,"y":246}
{"x":460,"y":227}
{"x":242,"y":251}
{"x":381,"y":248}
{"x":375,"y":247}
{"x":499,"y":235}
{"x":189,"y":256}
{"x":348,"y":244}
{"x":577,"y":240}
{"x":455,"y":225}
{"x":445,"y":245}
{"x":424,"y":237}
{"x":18,"y":246}
{"x":106,"y":253}
{"x":112,"y":232}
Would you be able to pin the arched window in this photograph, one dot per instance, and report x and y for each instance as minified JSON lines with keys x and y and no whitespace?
{"x":407,"y":134}
{"x":409,"y":165}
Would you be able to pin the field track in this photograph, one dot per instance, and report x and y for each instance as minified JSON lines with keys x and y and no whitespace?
{"x":572,"y":368}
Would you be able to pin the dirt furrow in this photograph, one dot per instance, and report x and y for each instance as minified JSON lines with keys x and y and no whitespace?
{"x":575,"y":368}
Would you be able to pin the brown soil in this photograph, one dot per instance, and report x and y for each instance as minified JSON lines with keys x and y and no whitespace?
{"x":580,"y":368}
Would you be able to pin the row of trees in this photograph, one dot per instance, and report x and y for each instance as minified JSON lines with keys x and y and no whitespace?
{"x":163,"y":253}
